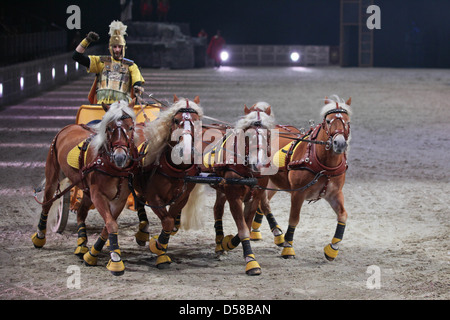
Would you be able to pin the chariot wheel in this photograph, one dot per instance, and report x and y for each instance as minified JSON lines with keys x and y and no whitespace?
{"x":58,"y":221}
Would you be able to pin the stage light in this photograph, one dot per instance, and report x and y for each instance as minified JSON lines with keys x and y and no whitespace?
{"x":224,"y":55}
{"x":39,"y":78}
{"x":21,"y":83}
{"x":295,"y":56}
{"x":1,"y":90}
{"x":76,"y":66}
{"x":53,"y":73}
{"x":65,"y":69}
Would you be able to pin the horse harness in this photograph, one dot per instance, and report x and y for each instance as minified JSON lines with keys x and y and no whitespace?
{"x":310,"y":162}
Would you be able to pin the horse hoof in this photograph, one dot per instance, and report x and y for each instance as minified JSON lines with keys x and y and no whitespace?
{"x":255,"y":235}
{"x":288,"y":253}
{"x":141,"y":238}
{"x":153,"y":246}
{"x":38,"y":242}
{"x":80,"y":251}
{"x":117,"y":268}
{"x":226,"y":243}
{"x":163,"y":261}
{"x":253,"y":268}
{"x":279,"y":240}
{"x":89,"y":259}
{"x":330,"y":252}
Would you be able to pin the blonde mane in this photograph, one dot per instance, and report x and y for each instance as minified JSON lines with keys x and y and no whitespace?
{"x":267,"y":121}
{"x":331,"y":104}
{"x":115,"y":112}
{"x":157,"y":132}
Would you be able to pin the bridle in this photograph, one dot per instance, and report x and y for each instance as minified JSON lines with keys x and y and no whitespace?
{"x":122,"y":141}
{"x":327,"y":124}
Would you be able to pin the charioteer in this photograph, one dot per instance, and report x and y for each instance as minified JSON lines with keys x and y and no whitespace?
{"x":117,"y":78}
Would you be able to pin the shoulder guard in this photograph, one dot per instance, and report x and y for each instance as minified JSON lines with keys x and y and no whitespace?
{"x":128,"y":62}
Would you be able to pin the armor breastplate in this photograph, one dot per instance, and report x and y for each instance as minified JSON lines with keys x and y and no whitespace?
{"x":114,"y":81}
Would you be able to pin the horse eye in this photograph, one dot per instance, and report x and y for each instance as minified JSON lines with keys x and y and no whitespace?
{"x":176,"y":121}
{"x":328,"y":121}
{"x":130,"y":128}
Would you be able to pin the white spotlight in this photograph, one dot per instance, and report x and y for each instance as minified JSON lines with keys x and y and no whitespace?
{"x":53,"y":73}
{"x":295,"y":56}
{"x":224,"y":55}
{"x":76,"y":66}
{"x":1,"y":90}
{"x":65,"y":69}
{"x":21,"y":83}
{"x":39,"y":78}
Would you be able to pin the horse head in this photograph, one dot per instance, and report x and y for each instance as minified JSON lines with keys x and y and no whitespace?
{"x":336,"y":124}
{"x":116,"y":133}
{"x":255,"y":128}
{"x":186,"y":115}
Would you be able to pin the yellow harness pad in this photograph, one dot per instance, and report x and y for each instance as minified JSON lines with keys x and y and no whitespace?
{"x":279,"y":158}
{"x":143,"y":151}
{"x":208,"y":158}
{"x":74,"y":155}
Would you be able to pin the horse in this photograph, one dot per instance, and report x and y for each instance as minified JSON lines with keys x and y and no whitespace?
{"x":161,"y":182}
{"x":222,"y":158}
{"x":98,"y":160}
{"x":314,"y":167}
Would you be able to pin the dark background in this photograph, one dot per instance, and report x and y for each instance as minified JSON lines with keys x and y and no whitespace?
{"x":408,"y":27}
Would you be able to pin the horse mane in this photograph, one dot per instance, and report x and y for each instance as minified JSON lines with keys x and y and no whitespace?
{"x":267,"y":121}
{"x":115,"y":112}
{"x":157,"y":132}
{"x":331,"y":104}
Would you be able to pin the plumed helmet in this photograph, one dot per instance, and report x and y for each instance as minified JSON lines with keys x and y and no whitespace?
{"x":117,"y":32}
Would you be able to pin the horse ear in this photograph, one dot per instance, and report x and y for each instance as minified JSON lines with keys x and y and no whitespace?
{"x":246,"y":109}
{"x":349,"y":101}
{"x":175,"y":98}
{"x":132,"y":103}
{"x":268,"y":111}
{"x":197,"y":99}
{"x":105,"y":107}
{"x":326,"y":100}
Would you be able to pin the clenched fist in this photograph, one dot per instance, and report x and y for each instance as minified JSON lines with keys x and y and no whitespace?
{"x":92,"y":36}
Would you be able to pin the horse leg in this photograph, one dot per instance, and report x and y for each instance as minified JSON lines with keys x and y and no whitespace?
{"x":229,"y":242}
{"x":297,"y":199}
{"x":332,"y":249}
{"x":219,"y":207}
{"x":115,"y":264}
{"x":158,"y":244}
{"x":52,"y":171}
{"x":90,"y":257}
{"x":265,"y":210}
{"x":81,"y":226}
{"x":142,"y":235}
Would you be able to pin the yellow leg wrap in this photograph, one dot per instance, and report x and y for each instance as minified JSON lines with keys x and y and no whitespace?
{"x":38,"y":242}
{"x":255,"y":234}
{"x":81,"y":250}
{"x":142,"y":236}
{"x":153,"y":246}
{"x":163,"y":261}
{"x":288,"y":252}
{"x":279,"y":238}
{"x":252,"y":267}
{"x":219,"y":248}
{"x":90,"y":259}
{"x":331,"y":251}
{"x":117,"y":268}
{"x":226,"y":243}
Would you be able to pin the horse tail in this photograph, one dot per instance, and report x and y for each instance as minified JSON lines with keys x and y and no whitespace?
{"x":190,"y":216}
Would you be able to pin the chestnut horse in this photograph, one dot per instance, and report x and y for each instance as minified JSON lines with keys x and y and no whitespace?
{"x":161,"y":183}
{"x":97,"y":160}
{"x":253,"y":156}
{"x":314,"y":167}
